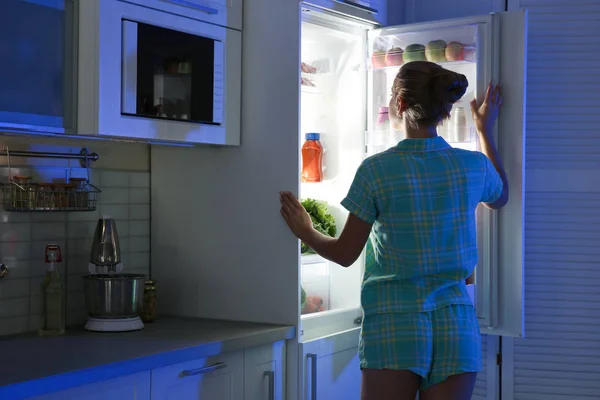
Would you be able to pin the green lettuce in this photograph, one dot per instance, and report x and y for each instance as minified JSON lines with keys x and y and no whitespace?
{"x":321,"y":218}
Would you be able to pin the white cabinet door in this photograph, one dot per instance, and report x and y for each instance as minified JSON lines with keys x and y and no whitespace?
{"x":264,"y":372}
{"x":216,"y":378}
{"x":330,"y":367}
{"x":130,"y":387}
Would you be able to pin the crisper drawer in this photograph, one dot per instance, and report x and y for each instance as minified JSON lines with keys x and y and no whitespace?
{"x":226,"y":13}
{"x":215,"y":378}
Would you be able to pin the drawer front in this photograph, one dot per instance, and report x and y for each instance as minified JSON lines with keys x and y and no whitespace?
{"x":215,"y":378}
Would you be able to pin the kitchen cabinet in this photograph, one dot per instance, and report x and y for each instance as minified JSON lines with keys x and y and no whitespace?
{"x":330,"y":367}
{"x":36,"y":38}
{"x":264,"y":372}
{"x":130,"y":387}
{"x":215,"y":378}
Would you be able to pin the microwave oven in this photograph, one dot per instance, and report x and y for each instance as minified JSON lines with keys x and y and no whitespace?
{"x":145,"y":73}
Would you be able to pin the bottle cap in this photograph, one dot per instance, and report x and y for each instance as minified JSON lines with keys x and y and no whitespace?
{"x":53,"y":253}
{"x":313,"y":136}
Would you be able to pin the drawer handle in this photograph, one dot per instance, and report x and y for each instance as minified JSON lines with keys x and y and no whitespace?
{"x":203,"y":370}
{"x":313,"y":376}
{"x":358,"y":6}
{"x":199,"y":7}
{"x":271,"y":377}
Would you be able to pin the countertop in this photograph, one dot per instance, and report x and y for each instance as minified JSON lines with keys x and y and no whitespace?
{"x":32,"y":365}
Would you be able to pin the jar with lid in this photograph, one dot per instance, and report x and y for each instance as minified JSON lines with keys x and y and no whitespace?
{"x":23,"y":193}
{"x":459,"y":131}
{"x":62,"y":192}
{"x":45,"y":196}
{"x":149,"y":309}
{"x":312,"y":158}
{"x":79,"y":197}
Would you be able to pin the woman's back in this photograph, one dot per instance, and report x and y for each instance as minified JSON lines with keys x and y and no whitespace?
{"x":424,"y":242}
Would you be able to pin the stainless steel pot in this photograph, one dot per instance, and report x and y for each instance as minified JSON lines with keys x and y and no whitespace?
{"x":114,"y":295}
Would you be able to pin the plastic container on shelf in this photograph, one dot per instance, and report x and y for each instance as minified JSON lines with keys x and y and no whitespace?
{"x":458,"y":132}
{"x":312,"y":158}
{"x":315,"y":275}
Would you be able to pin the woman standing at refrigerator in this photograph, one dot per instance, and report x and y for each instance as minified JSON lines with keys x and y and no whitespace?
{"x":417,"y":202}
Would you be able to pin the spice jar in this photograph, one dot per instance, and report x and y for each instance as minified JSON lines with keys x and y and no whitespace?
{"x":23,"y":195}
{"x":79,"y":197}
{"x":61,"y":195}
{"x":45,"y":197}
{"x":149,"y":309}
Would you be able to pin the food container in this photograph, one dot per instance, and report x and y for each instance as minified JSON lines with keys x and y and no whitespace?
{"x":23,"y":195}
{"x":79,"y":197}
{"x":62,"y":194}
{"x":149,"y":311}
{"x":114,"y":295}
{"x":45,"y":196}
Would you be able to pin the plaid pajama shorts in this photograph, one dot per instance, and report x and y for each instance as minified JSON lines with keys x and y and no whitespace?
{"x":434,"y":345}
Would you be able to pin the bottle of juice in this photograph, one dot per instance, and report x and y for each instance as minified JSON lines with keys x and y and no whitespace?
{"x":312,"y":159}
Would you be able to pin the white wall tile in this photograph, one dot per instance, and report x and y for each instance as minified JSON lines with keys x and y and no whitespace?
{"x":110,"y":179}
{"x":114,"y":211}
{"x":139,"y":211}
{"x":36,"y":322}
{"x":17,"y":269}
{"x":17,"y":307}
{"x":139,"y":196}
{"x":139,"y":244}
{"x":14,"y":251}
{"x":84,"y":216}
{"x":48,"y":231}
{"x":81,"y":229}
{"x":139,"y":180}
{"x":11,"y":326}
{"x":15,"y":232}
{"x":139,"y":228}
{"x":48,"y":217}
{"x":114,"y":196}
{"x":78,"y":265}
{"x":11,"y":288}
{"x":139,"y":261}
{"x":36,"y":303}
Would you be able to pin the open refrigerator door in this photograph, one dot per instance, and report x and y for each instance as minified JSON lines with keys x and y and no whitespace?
{"x":333,"y":113}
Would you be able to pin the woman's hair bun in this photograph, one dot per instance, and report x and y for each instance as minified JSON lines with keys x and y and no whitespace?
{"x":449,"y":86}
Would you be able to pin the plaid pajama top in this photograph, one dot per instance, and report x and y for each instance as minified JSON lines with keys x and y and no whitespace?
{"x":421,"y":198}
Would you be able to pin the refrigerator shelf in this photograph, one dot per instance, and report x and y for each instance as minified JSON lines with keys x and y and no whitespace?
{"x":445,"y":64}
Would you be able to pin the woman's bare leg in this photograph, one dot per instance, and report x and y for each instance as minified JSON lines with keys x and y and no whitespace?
{"x":455,"y":387}
{"x":386,"y":384}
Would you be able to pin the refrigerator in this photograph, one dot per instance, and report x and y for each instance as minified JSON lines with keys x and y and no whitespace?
{"x":348,"y":67}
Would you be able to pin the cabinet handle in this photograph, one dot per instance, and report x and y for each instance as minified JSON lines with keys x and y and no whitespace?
{"x":199,"y":7}
{"x":359,"y":6}
{"x":203,"y":370}
{"x":313,"y":376}
{"x":271,"y":377}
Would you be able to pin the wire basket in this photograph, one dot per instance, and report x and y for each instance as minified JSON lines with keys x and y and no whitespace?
{"x":25,"y":196}
{"x":35,"y":197}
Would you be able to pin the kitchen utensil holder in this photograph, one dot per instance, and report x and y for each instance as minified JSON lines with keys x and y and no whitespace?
{"x":31,"y":197}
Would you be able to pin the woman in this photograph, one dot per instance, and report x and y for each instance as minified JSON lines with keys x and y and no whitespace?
{"x":417,"y":201}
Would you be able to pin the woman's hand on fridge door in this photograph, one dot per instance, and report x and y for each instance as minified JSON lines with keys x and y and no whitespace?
{"x":486,"y":113}
{"x":295,"y":215}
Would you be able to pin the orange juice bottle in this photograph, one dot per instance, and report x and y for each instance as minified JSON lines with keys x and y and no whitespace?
{"x":312,"y":159}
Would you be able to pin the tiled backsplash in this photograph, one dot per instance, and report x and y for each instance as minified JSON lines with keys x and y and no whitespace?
{"x":23,"y":237}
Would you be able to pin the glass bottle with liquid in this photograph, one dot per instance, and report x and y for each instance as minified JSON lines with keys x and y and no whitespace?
{"x":53,"y":292}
